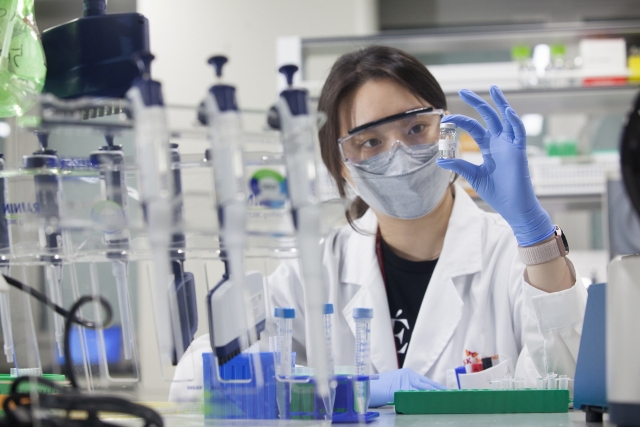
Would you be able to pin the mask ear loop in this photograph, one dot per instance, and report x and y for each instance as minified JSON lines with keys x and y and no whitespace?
{"x":452,"y":182}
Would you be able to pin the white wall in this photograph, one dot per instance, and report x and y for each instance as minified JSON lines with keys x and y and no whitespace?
{"x":185,"y":34}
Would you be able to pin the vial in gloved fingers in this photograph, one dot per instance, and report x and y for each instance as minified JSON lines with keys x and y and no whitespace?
{"x":448,"y":142}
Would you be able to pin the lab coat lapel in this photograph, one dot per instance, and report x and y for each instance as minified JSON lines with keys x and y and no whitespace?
{"x":363,"y":270}
{"x":442,"y":306}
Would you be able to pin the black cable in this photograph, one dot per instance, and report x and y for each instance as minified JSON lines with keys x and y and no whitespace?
{"x":71,"y":318}
{"x":46,"y":301}
{"x":17,"y":406}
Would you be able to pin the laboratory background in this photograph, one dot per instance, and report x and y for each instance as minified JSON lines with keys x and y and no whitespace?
{"x":160,"y":162}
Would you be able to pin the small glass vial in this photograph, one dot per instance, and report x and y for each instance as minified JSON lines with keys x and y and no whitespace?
{"x":448,"y":142}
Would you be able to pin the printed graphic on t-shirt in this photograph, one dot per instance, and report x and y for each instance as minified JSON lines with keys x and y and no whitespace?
{"x":400,"y":326}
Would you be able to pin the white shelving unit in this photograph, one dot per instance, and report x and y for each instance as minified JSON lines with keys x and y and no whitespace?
{"x":563,"y":185}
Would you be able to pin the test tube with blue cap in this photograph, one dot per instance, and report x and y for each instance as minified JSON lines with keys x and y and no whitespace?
{"x":284,"y":322}
{"x":362,"y":318}
{"x":328,"y":312}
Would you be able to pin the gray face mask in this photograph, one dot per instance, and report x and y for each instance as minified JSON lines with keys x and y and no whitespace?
{"x":404,"y":183}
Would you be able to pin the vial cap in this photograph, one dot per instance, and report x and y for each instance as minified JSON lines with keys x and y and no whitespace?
{"x":328,"y":309}
{"x":521,"y":52}
{"x":285,"y":313}
{"x":448,"y":126}
{"x":558,"y":50}
{"x":362,"y":313}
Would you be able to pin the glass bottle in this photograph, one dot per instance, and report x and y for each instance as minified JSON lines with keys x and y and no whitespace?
{"x":448,"y":141}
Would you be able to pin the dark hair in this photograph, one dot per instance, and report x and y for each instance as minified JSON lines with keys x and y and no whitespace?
{"x":347,"y":75}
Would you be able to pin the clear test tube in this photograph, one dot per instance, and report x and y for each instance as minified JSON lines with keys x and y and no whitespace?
{"x":494,"y":383}
{"x":284,"y":320}
{"x":327,"y":314}
{"x":362,"y":318}
{"x":506,"y":383}
{"x":518,"y":383}
{"x":448,"y":142}
{"x":552,"y":381}
{"x":563,"y":382}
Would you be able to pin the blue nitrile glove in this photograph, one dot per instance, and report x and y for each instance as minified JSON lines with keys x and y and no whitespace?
{"x":503,"y":179}
{"x":383,"y":388}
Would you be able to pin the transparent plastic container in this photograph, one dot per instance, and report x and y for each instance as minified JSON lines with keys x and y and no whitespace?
{"x":22,"y":62}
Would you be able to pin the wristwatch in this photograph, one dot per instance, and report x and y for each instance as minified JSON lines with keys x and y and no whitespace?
{"x":539,"y":254}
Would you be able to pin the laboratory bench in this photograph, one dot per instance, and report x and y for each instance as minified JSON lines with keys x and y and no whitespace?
{"x":389,"y":418}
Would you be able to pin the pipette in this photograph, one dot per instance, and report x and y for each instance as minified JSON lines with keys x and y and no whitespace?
{"x":5,"y":244}
{"x":362,"y":318}
{"x":299,"y":135}
{"x":156,"y":193}
{"x":47,"y":186}
{"x":222,"y":116}
{"x":184,"y":282}
{"x":110,"y":160}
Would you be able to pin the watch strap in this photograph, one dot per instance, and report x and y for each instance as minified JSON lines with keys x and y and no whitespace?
{"x":548,"y":251}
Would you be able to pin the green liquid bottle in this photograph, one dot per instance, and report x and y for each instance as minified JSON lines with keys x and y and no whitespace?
{"x":23,"y":66}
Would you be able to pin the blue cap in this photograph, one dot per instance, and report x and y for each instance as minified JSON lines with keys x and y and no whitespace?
{"x":328,"y":309}
{"x":285,"y":313}
{"x":363,"y":313}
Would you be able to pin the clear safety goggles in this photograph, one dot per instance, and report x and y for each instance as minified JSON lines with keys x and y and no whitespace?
{"x":411,"y":128}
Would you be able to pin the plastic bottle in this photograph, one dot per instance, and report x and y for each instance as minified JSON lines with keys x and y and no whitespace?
{"x":22,"y":62}
{"x":527,"y":76}
{"x":557,"y":65}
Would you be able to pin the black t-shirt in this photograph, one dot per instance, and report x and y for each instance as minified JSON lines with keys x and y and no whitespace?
{"x":406,"y":283}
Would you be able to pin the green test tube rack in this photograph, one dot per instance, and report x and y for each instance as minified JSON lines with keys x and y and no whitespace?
{"x":481,"y":401}
{"x":6,"y":380}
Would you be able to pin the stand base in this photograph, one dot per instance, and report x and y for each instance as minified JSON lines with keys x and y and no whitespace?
{"x":624,"y":414}
{"x":593,"y":414}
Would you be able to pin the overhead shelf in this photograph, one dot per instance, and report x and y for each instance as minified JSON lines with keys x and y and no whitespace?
{"x":470,"y":38}
{"x":587,"y":100}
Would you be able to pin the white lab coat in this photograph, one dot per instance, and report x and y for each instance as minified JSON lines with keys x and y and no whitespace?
{"x":477,"y":300}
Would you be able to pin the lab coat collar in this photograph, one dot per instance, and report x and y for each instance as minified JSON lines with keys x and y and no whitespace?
{"x":441,"y":308}
{"x":461,"y":252}
{"x":361,"y":268}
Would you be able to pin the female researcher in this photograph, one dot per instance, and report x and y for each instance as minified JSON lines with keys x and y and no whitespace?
{"x":446,"y":280}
